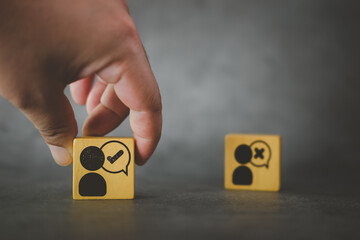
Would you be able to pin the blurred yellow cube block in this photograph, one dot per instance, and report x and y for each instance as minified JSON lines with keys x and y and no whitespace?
{"x":103,"y":168}
{"x":252,"y":162}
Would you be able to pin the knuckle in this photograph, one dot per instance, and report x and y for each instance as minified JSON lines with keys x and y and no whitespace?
{"x":157,"y":103}
{"x":58,"y":135}
{"x":125,"y":31}
{"x":130,"y":28}
{"x":154,"y":102}
{"x":126,"y":25}
{"x":27,"y":101}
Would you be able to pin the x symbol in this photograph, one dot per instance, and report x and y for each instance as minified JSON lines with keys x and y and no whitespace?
{"x":259,"y":153}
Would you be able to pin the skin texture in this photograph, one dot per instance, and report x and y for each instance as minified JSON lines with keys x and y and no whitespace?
{"x":47,"y":45}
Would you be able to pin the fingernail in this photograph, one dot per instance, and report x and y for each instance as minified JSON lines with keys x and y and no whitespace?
{"x":61,"y":155}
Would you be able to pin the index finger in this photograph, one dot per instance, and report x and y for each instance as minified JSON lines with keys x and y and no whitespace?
{"x":135,"y":86}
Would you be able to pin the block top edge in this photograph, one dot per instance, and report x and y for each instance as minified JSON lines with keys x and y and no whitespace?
{"x":251,"y":135}
{"x":105,"y":138}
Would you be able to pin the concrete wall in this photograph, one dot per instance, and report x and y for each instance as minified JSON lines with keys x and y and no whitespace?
{"x":274,"y":67}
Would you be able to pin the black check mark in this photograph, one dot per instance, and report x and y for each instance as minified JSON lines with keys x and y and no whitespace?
{"x":115,"y":157}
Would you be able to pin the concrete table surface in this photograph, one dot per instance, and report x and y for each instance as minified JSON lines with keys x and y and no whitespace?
{"x":37,"y":206}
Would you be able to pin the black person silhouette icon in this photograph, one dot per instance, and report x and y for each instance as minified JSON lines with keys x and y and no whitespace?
{"x":92,"y":184}
{"x":243,"y":175}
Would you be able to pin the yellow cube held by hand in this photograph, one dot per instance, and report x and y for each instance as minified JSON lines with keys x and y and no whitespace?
{"x":103,"y":168}
{"x":252,"y":162}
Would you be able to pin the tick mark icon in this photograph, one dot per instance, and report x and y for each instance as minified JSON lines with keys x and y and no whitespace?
{"x":115,"y":157}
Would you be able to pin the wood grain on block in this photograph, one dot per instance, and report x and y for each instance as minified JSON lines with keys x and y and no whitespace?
{"x":103,"y":168}
{"x":252,"y":162}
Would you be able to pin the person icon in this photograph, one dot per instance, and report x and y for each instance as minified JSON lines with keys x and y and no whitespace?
{"x":92,"y":184}
{"x":242,"y":174}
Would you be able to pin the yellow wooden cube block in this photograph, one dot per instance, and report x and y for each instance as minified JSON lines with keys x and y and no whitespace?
{"x":103,"y":168}
{"x":252,"y":162}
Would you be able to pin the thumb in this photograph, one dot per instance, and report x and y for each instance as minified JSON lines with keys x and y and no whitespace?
{"x":53,"y":116}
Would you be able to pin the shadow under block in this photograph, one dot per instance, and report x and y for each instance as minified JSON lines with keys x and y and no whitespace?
{"x":252,"y":162}
{"x":103,"y":168}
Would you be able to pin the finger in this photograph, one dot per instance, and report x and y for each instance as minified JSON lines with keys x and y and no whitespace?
{"x":109,"y":114}
{"x":136,"y":87}
{"x":53,"y":116}
{"x":146,"y":127}
{"x":80,"y":89}
{"x":94,"y":97}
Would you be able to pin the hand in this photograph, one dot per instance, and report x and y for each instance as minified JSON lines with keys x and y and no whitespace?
{"x":46,"y":45}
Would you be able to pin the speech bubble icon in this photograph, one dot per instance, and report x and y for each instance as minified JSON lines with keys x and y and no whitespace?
{"x":261,"y":154}
{"x":117,"y":157}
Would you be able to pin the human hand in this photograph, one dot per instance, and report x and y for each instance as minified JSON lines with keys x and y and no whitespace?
{"x":46,"y":45}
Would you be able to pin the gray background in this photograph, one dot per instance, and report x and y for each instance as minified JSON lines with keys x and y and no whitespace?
{"x":267,"y":67}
